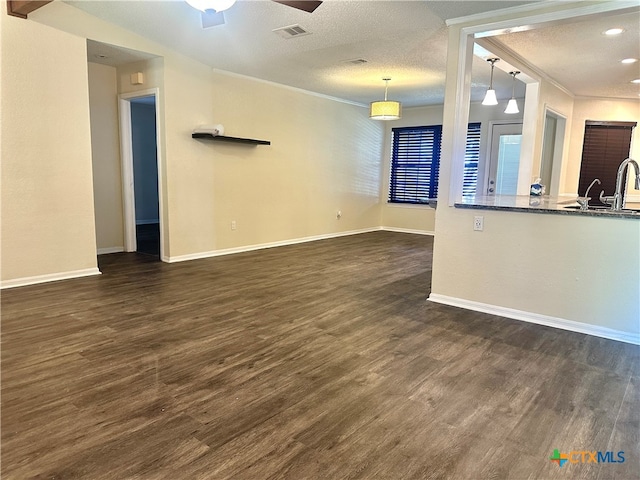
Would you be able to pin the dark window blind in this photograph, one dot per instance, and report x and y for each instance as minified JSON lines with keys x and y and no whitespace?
{"x":605,"y":145}
{"x":415,"y":161}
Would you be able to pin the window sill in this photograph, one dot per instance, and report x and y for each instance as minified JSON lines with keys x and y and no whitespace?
{"x":431,"y":204}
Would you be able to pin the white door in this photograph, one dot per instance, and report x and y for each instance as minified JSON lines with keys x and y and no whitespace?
{"x":504,"y":159}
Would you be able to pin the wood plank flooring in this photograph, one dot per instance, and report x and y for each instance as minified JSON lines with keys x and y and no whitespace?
{"x":314,"y":361}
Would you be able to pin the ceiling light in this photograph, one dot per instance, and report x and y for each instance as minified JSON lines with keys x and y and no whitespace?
{"x":217,"y":5}
{"x":637,"y":80}
{"x":614,"y":31}
{"x":629,"y":60}
{"x":512,"y":106}
{"x":490,"y":96}
{"x":385,"y":109}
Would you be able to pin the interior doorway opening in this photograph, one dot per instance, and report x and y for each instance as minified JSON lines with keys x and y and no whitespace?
{"x":141,"y":173}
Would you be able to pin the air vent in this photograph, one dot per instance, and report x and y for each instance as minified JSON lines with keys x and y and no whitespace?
{"x":356,"y":61}
{"x":291,"y":31}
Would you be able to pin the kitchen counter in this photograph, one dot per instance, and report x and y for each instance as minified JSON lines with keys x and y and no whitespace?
{"x":544,"y":204}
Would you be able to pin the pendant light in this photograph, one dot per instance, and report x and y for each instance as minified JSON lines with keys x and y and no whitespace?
{"x":512,"y":106}
{"x":385,"y":109}
{"x":490,"y":97}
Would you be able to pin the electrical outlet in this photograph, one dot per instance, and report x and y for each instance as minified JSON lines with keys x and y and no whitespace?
{"x":233,"y":224}
{"x":478,"y":223}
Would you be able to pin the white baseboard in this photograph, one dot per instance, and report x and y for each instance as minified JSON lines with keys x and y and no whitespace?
{"x":52,"y":277}
{"x":595,"y":330}
{"x":408,"y":230}
{"x":103,"y":251}
{"x":249,"y":248}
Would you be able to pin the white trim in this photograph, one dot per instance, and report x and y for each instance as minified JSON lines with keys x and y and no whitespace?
{"x":578,"y":9}
{"x":492,"y":14}
{"x":460,"y":116}
{"x":51,"y":277}
{"x":410,"y":206}
{"x":126,"y":155}
{"x":260,"y":246}
{"x":106,"y":250}
{"x":288,"y":87}
{"x":408,"y":230}
{"x":560,"y":147}
{"x":505,"y":53}
{"x":538,"y":319}
{"x":489,"y":148}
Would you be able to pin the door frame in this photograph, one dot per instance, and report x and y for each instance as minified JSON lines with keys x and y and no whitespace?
{"x":558,"y":153}
{"x":489,"y":147}
{"x":126,"y":155}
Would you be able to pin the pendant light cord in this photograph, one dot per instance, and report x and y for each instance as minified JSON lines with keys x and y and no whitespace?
{"x":493,"y":64}
{"x":513,"y":86}
{"x":386,"y":87}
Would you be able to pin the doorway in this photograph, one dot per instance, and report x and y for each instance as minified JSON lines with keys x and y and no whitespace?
{"x":141,"y":173}
{"x":552,"y":149}
{"x":504,"y":159}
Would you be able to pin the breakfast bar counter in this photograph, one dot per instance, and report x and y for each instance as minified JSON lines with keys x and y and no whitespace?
{"x":543,"y":204}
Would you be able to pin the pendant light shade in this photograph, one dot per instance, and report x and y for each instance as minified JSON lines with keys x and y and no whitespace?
{"x":512,"y":106}
{"x":490,"y":97}
{"x":385,"y":109}
{"x":217,"y":5}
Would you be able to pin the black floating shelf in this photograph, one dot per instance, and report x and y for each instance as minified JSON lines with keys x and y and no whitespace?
{"x":222,"y":138}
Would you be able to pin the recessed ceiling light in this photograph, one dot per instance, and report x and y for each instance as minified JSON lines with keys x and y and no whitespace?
{"x":614,"y":31}
{"x":629,"y":60}
{"x":637,"y":80}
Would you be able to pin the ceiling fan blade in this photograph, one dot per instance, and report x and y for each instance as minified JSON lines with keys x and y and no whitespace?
{"x":211,"y":18}
{"x":306,"y":5}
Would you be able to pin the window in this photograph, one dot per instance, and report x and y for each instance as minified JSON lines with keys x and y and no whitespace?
{"x":415,"y":163}
{"x":471,"y":159}
{"x":606,"y":144}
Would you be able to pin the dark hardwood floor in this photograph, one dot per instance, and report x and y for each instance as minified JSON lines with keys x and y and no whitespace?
{"x":314,"y":361}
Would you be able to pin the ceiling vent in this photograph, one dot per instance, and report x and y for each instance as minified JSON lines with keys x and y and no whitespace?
{"x":291,"y":31}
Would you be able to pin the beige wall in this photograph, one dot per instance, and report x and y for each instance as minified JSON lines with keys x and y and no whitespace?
{"x":604,"y":110}
{"x":325,"y":155}
{"x":47,"y":192}
{"x":105,"y":149}
{"x":572,"y":268}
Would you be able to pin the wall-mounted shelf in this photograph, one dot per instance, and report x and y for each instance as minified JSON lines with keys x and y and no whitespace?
{"x":222,"y":138}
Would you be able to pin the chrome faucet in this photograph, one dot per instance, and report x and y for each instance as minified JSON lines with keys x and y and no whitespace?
{"x":584,"y":201}
{"x":617,"y":200}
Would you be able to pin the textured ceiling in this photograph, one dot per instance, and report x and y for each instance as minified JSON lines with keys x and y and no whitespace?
{"x":405,"y":40}
{"x":580,"y":57}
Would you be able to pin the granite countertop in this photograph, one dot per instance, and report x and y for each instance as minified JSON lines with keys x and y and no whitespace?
{"x":544,"y":204}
